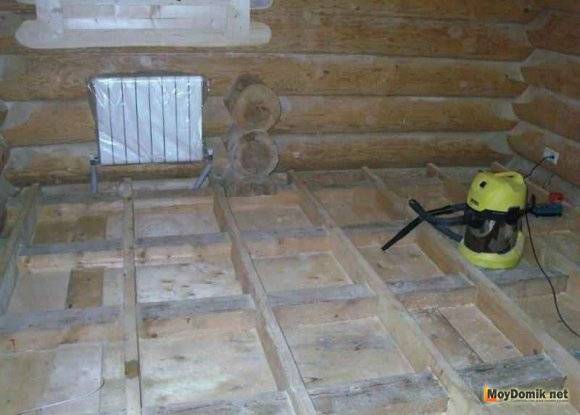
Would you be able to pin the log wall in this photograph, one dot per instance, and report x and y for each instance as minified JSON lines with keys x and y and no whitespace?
{"x":362,"y":82}
{"x":549,"y":109}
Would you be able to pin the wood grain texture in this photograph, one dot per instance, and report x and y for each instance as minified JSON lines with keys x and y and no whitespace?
{"x":68,"y":163}
{"x":312,"y":32}
{"x":548,"y":110}
{"x":559,"y":32}
{"x":554,"y":71}
{"x":491,"y":10}
{"x":55,"y":122}
{"x":64,"y":76}
{"x":529,"y":142}
{"x":346,"y":151}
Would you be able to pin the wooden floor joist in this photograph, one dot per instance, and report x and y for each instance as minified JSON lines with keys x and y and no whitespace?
{"x":273,"y":340}
{"x":526,"y":334}
{"x":131,"y":318}
{"x":278,"y":304}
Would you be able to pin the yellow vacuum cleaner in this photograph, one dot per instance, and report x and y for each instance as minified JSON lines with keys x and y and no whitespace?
{"x":492,"y":216}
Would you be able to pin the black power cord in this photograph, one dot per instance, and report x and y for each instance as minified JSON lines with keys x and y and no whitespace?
{"x":538,"y":164}
{"x":554,"y":296}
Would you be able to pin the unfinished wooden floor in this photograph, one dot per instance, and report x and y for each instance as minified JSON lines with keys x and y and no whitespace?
{"x":172,"y":301}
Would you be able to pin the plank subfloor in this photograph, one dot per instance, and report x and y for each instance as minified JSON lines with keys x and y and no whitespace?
{"x":272,"y":304}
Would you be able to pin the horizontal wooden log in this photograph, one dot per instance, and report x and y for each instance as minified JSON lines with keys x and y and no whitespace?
{"x":64,"y":76}
{"x":344,"y":151}
{"x":302,"y":32}
{"x":559,"y":32}
{"x":554,"y":71}
{"x":550,"y":111}
{"x":490,"y":10}
{"x":68,"y":163}
{"x":572,"y":6}
{"x":529,"y":142}
{"x":56,"y":122}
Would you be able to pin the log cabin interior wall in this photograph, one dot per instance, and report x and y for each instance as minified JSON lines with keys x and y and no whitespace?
{"x":394,"y":83}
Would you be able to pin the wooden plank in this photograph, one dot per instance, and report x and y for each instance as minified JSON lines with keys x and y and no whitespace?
{"x":528,"y":336}
{"x":320,"y":33}
{"x":131,"y":320}
{"x":69,"y":163}
{"x":446,"y":291}
{"x":554,"y":71}
{"x":21,"y":234}
{"x":523,"y":372}
{"x":547,"y":110}
{"x":38,"y":77}
{"x":558,"y":32}
{"x":525,"y":334}
{"x":85,"y":288}
{"x":170,"y":309}
{"x":289,"y":298}
{"x":419,"y":349}
{"x":480,"y":333}
{"x":529,"y":142}
{"x":275,"y":345}
{"x":410,"y":393}
{"x":527,"y":281}
{"x":446,"y":338}
{"x":274,"y":403}
{"x":56,"y":319}
{"x":55,"y":122}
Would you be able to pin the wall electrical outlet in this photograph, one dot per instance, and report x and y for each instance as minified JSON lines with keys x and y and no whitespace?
{"x":554,"y":154}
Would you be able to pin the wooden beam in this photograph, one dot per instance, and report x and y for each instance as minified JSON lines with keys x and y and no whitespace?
{"x":446,"y":291}
{"x":368,"y":34}
{"x":319,"y":295}
{"x":57,"y":319}
{"x":171,"y":309}
{"x":522,"y":372}
{"x":554,"y":71}
{"x":131,"y":319}
{"x":410,"y":393}
{"x":528,"y":336}
{"x":64,"y":76}
{"x":558,"y":32}
{"x":493,"y":10}
{"x":68,"y":163}
{"x":275,"y":345}
{"x":265,"y":403}
{"x":307,"y":152}
{"x":550,"y":111}
{"x":530,"y":141}
{"x":56,"y":122}
{"x":20,"y":235}
{"x":419,"y":349}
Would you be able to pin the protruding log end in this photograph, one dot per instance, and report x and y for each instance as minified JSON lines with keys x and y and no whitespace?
{"x":252,"y":104}
{"x":252,"y":154}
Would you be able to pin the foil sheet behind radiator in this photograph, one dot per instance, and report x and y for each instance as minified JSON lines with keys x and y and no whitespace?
{"x":148,"y":119}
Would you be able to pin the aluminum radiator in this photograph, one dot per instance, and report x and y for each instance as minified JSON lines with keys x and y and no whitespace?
{"x":148,"y":119}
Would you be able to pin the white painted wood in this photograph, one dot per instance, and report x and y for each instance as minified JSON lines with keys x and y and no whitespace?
{"x":110,"y":23}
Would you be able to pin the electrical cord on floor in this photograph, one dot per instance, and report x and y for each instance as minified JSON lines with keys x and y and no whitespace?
{"x":554,"y":296}
{"x":538,"y":164}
